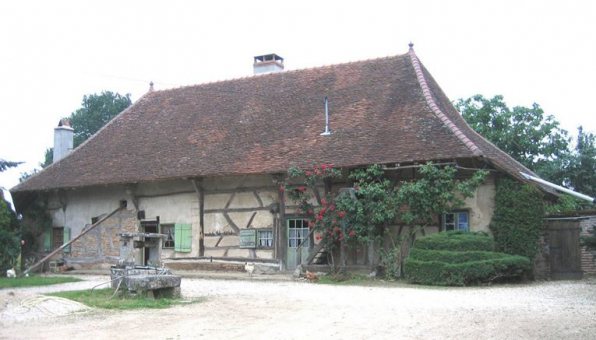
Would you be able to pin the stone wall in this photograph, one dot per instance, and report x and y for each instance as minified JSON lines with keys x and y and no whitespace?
{"x":102,"y":244}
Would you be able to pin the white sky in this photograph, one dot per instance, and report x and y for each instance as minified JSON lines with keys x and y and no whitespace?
{"x":54,"y":52}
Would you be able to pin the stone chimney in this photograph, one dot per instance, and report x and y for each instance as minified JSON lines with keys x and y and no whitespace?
{"x":268,"y":63}
{"x":63,"y":139}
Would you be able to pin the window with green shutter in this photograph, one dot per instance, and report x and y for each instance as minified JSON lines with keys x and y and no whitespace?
{"x":66,"y":238}
{"x":183,"y":237}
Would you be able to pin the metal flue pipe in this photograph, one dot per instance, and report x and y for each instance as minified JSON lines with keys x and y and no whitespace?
{"x":122,"y":206}
{"x":560,"y":188}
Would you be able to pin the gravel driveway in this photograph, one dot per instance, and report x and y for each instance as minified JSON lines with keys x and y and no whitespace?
{"x":300,"y":310}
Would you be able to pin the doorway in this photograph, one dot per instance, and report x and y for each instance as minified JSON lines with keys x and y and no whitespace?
{"x":148,"y":227}
{"x":297,"y":233}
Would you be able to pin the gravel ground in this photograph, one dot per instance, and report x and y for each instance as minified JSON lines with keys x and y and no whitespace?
{"x":297,"y":310}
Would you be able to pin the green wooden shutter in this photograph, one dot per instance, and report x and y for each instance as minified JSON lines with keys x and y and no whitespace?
{"x":65,"y":239}
{"x":47,"y":240}
{"x":183,"y":237}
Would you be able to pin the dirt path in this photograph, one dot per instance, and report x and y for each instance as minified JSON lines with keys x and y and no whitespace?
{"x":299,"y":310}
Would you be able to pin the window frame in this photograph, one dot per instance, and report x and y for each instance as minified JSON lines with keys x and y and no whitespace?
{"x":272,"y":238}
{"x":172,"y":227}
{"x":456,"y":214}
{"x":306,"y":243}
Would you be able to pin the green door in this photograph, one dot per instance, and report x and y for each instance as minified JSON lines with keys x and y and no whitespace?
{"x":297,"y":232}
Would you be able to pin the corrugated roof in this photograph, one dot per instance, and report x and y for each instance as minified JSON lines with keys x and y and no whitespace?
{"x":387,"y":110}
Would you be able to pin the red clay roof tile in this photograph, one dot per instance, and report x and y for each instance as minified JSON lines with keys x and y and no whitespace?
{"x":380,"y":112}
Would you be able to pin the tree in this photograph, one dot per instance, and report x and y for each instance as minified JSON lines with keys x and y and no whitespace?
{"x":96,"y":111}
{"x":582,"y":164}
{"x":526,"y":134}
{"x":9,"y":226}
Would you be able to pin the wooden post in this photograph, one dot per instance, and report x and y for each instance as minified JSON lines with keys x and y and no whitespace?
{"x":198,"y":185}
{"x":282,"y":241}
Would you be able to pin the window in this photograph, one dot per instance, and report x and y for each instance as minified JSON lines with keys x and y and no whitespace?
{"x":456,"y":221}
{"x":265,"y":238}
{"x":297,"y":233}
{"x":168,"y":229}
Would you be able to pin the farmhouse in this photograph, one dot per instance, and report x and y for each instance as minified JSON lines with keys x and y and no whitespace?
{"x":202,"y":164}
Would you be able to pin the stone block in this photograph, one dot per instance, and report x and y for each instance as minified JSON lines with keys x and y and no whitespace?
{"x":151,"y":282}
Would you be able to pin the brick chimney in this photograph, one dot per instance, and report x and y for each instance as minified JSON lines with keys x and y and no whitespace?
{"x":268,"y":63}
{"x":63,"y":139}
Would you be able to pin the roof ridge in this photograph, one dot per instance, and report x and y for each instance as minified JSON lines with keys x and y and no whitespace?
{"x":217,"y":82}
{"x":435,"y":108}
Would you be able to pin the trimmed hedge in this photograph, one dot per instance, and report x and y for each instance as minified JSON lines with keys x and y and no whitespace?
{"x":454,"y":257}
{"x":444,"y":259}
{"x":456,"y":241}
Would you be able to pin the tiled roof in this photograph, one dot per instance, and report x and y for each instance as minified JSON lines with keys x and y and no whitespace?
{"x":387,"y":110}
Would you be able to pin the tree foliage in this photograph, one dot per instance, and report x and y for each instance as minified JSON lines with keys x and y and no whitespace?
{"x":582,"y":164}
{"x":9,"y":227}
{"x":95,"y":112}
{"x":5,"y":165}
{"x":525,"y":133}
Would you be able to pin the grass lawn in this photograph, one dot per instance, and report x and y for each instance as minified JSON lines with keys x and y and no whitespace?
{"x":100,"y":298}
{"x":11,"y":282}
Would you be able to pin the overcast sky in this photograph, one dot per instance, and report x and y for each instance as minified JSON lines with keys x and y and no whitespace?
{"x":54,"y":52}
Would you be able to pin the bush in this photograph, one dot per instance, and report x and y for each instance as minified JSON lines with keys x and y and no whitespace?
{"x":456,"y":241}
{"x":460,"y":259}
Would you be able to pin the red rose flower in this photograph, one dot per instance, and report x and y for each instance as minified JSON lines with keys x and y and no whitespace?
{"x":323,"y":166}
{"x":356,"y":188}
{"x":282,"y":189}
{"x":310,"y":211}
{"x":332,"y":207}
{"x":341,"y":213}
{"x":320,"y":218}
{"x":322,"y":211}
{"x":323,"y":202}
{"x":308,"y":173}
{"x":336,"y":229}
{"x":352,"y":233}
{"x":301,"y":189}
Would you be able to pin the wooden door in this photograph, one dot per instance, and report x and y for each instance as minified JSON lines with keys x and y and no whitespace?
{"x":565,"y":252}
{"x":297,"y":232}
